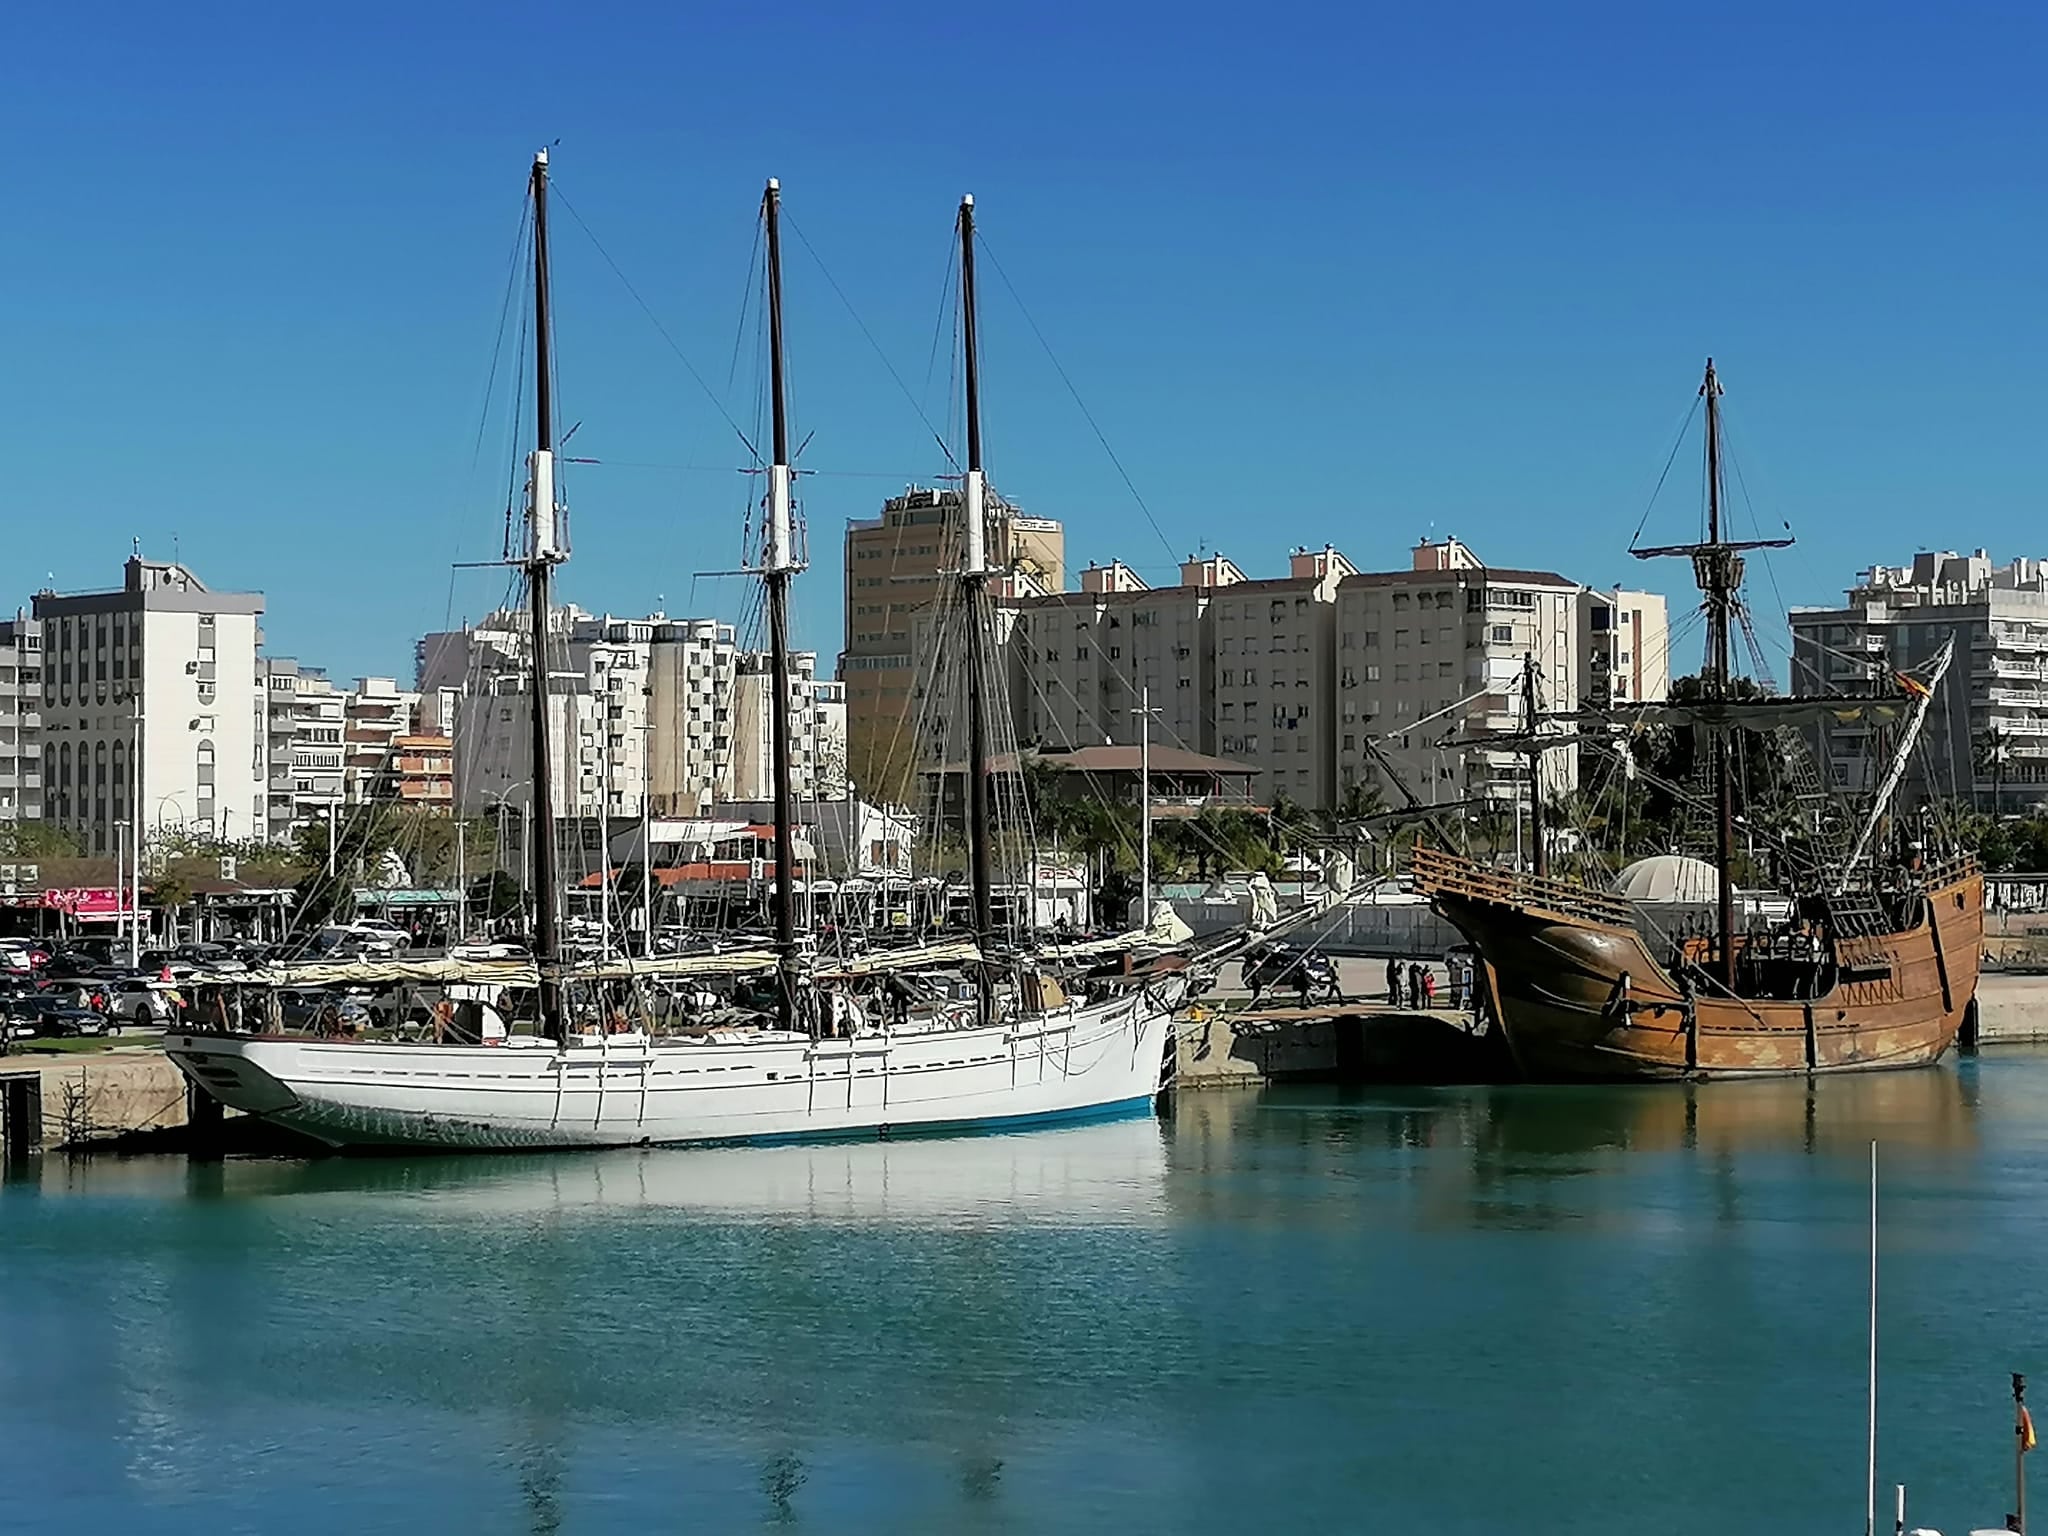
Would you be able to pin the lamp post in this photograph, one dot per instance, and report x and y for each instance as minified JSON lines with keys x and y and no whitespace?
{"x":120,"y":882}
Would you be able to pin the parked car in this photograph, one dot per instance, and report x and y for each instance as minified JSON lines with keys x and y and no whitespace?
{"x":491,"y":949}
{"x":141,"y":1003}
{"x":379,"y":929}
{"x":57,"y":1018}
{"x":1308,"y":973}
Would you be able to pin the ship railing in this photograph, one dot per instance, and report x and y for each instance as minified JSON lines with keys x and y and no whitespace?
{"x":1439,"y":872}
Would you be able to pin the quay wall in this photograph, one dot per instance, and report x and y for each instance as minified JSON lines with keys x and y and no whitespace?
{"x":91,"y":1098}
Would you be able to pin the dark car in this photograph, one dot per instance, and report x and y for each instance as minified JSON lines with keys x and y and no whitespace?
{"x":55,"y":1018}
{"x":1308,"y":973}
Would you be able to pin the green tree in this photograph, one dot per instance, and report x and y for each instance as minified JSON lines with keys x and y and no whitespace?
{"x":37,"y":840}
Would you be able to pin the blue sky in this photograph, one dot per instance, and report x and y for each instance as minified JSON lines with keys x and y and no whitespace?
{"x":1356,"y":273}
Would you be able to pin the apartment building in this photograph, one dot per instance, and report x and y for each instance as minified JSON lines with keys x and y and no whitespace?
{"x":1986,"y":738}
{"x":1627,"y":647}
{"x":421,"y":772}
{"x":186,"y":659}
{"x":666,"y":711}
{"x":897,"y":564}
{"x":1277,"y":679}
{"x":750,"y":771}
{"x":305,"y":719}
{"x":1080,"y":662}
{"x":376,"y":712}
{"x":1433,"y":655}
{"x":21,"y":719}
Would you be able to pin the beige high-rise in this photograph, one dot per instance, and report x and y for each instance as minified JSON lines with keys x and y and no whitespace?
{"x":897,"y":565}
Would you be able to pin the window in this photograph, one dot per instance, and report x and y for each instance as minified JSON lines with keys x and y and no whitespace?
{"x":1446,"y":669}
{"x":1372,"y":674}
{"x":1501,"y":634}
{"x":1400,"y":639}
{"x":1400,"y":602}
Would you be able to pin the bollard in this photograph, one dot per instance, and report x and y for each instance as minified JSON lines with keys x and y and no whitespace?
{"x":21,"y":1115}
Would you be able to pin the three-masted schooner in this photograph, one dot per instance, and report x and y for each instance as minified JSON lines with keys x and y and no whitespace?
{"x":1024,"y":1053}
{"x":1875,"y":966}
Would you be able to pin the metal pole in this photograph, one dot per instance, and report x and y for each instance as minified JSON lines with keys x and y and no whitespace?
{"x":120,"y":874}
{"x":135,"y":832}
{"x":330,"y":839}
{"x":778,"y":564}
{"x":461,"y":880}
{"x":2020,"y":1426}
{"x":1870,"y":1500}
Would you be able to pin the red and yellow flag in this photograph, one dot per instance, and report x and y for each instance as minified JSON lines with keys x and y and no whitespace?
{"x":2025,"y":1428}
{"x":1912,"y":685}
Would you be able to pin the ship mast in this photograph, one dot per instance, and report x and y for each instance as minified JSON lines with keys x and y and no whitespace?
{"x":1717,"y":567}
{"x":543,"y":553}
{"x":778,"y":563}
{"x":1720,"y":572}
{"x":1541,"y":864}
{"x":974,"y":593}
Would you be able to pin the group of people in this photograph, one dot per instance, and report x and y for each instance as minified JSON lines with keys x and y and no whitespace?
{"x":1414,"y":985}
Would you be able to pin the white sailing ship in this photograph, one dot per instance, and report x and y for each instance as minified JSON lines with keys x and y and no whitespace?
{"x":1015,"y":1050}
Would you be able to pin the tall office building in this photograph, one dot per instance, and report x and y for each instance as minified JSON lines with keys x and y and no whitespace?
{"x":897,"y":566}
{"x":186,"y":658}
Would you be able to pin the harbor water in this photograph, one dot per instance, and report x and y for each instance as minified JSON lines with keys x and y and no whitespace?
{"x":1452,"y":1310}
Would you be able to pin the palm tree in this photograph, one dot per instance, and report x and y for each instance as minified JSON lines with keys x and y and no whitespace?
{"x":1994,"y":751}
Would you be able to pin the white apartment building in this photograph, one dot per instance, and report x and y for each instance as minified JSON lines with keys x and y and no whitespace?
{"x":1627,"y":647}
{"x":305,"y":720}
{"x":376,"y":712}
{"x":187,"y":658}
{"x":650,"y":709}
{"x":21,"y":719}
{"x":1987,"y":732}
{"x":1435,"y":654}
{"x":750,"y":771}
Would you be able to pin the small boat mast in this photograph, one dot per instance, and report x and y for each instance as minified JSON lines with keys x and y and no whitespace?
{"x":974,"y":575}
{"x":778,"y":564}
{"x":544,"y":551}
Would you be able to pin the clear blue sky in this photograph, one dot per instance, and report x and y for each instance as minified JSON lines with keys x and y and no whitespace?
{"x":1352,"y":273}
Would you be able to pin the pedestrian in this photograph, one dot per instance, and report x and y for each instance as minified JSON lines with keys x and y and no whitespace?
{"x":1393,"y":983}
{"x":1429,"y":987}
{"x":1461,"y":985}
{"x":1414,"y":985}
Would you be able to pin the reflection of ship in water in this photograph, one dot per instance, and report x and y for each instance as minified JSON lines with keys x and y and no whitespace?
{"x":1924,"y":1111}
{"x":1105,"y":1174}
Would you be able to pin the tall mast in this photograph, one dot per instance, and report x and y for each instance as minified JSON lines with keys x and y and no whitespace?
{"x":1717,"y":567}
{"x":1720,"y":572}
{"x":1541,"y":863}
{"x":974,"y":590}
{"x":778,"y":561}
{"x":543,"y":553}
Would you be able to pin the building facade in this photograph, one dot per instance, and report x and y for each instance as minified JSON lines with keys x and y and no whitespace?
{"x":1627,"y":647}
{"x":897,"y":565}
{"x":174,"y":666}
{"x":1986,"y":739}
{"x":305,"y":720}
{"x":376,"y":712}
{"x":21,"y":719}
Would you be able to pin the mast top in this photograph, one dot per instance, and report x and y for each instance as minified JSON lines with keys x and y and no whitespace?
{"x":774,"y":183}
{"x":1710,"y":385}
{"x":540,"y":157}
{"x":967,"y":200}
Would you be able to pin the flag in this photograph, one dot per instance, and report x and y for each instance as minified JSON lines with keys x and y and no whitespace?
{"x":1912,"y":685}
{"x":2025,"y":1428}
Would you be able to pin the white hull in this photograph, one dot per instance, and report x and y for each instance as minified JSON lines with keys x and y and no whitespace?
{"x":628,"y":1091}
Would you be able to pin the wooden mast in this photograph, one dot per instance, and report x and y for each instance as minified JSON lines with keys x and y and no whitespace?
{"x":1717,"y":568}
{"x":778,"y":562}
{"x":1720,"y":573}
{"x":1541,"y":863}
{"x":974,"y":592}
{"x":543,"y":553}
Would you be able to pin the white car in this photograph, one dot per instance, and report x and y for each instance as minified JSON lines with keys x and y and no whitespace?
{"x":491,"y":950}
{"x":141,"y":1004}
{"x":377,"y":929}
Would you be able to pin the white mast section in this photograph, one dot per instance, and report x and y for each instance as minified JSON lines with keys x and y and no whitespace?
{"x":1908,"y":738}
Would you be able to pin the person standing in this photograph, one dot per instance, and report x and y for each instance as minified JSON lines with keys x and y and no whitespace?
{"x":1393,"y":983}
{"x":1429,"y":986}
{"x":1414,"y":985}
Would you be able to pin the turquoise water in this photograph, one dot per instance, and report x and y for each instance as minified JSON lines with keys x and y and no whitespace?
{"x":1470,"y":1310}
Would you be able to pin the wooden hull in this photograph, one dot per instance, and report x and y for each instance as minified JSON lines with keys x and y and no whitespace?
{"x":1583,"y":998}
